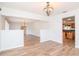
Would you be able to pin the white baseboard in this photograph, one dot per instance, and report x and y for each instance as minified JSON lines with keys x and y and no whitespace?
{"x":34,"y":35}
{"x":10,"y":48}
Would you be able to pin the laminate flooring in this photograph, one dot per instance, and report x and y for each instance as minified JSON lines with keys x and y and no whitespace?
{"x":35,"y":48}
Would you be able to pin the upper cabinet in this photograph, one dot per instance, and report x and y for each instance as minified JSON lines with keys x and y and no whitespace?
{"x":69,"y":23}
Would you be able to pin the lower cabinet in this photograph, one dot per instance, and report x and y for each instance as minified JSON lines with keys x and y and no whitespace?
{"x":69,"y":38}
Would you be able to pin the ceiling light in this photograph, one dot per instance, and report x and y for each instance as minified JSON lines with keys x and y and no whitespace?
{"x":48,"y":9}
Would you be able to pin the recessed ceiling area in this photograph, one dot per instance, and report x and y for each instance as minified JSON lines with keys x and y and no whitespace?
{"x":37,"y":7}
{"x":17,"y":19}
{"x":11,"y":19}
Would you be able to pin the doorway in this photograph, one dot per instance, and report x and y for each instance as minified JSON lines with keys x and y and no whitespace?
{"x":69,"y":31}
{"x":29,"y":39}
{"x":24,"y":28}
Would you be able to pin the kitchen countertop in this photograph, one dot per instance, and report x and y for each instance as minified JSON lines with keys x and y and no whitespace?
{"x":68,"y":30}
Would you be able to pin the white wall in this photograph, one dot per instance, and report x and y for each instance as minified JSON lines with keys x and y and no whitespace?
{"x":0,"y":40}
{"x":35,"y":27}
{"x":2,"y":22}
{"x":55,"y":29}
{"x":11,"y":39}
{"x":15,"y":26}
{"x":44,"y":35}
{"x":6,"y":25}
{"x":56,"y":26}
{"x":29,"y":28}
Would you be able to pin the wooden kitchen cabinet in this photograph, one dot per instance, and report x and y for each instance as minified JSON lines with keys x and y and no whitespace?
{"x":69,"y":38}
{"x":69,"y":34}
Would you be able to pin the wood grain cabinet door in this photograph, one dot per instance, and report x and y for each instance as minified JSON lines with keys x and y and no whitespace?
{"x":69,"y":38}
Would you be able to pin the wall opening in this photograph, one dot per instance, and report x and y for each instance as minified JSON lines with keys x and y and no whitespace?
{"x":69,"y":31}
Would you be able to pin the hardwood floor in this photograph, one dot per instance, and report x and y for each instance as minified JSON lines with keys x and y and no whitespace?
{"x":31,"y":40}
{"x":48,"y":48}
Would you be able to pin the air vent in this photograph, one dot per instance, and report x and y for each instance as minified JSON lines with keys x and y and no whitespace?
{"x":64,"y":12}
